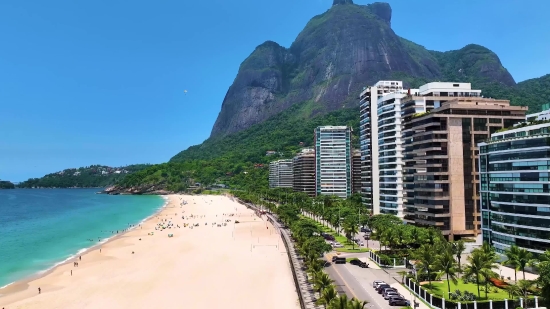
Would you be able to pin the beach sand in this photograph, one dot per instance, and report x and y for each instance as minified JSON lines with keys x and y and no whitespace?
{"x":242,"y":265}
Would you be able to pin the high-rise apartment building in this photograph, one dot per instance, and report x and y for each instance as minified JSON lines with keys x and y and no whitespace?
{"x":385,"y":117}
{"x":515,"y":188}
{"x":356,"y":171}
{"x":333,"y":161}
{"x":445,"y":160}
{"x":303,"y":166}
{"x":280,"y":174}
{"x":369,"y":140}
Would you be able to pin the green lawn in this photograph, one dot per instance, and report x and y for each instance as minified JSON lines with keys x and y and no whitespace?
{"x":441,"y":289}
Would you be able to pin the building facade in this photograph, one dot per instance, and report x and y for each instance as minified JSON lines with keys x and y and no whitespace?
{"x":281,"y":174}
{"x":541,"y":116}
{"x":303,"y":166}
{"x":444,"y":156}
{"x":515,"y":188}
{"x":356,"y":171}
{"x":368,"y":136}
{"x":333,"y":161}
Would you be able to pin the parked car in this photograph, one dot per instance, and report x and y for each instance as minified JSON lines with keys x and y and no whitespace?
{"x":355,"y":262}
{"x":391,"y":294}
{"x":338,"y":245}
{"x":376,"y":282}
{"x":382,"y":287}
{"x":384,"y":290}
{"x":381,"y":284}
{"x":399,"y":301}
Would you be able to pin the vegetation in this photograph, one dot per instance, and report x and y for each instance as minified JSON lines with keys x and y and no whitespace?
{"x":94,"y":176}
{"x":6,"y":185}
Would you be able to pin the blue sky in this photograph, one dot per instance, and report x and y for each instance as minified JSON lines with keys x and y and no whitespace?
{"x":102,"y":82}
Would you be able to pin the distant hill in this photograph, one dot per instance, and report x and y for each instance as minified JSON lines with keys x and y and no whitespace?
{"x":94,"y":176}
{"x":6,"y":185}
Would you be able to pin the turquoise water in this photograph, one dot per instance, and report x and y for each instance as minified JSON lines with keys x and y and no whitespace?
{"x":42,"y":227}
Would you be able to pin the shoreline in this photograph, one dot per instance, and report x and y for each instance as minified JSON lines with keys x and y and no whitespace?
{"x":42,"y":273}
{"x":245,"y":265}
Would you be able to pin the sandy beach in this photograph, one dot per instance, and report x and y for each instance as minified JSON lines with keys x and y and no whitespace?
{"x":240,"y":265}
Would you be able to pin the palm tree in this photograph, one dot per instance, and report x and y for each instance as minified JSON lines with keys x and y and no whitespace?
{"x":340,"y":302}
{"x":322,"y":281}
{"x":426,"y":259}
{"x":351,"y":230}
{"x":524,"y":258}
{"x":487,"y":274}
{"x":458,"y":249}
{"x":512,"y":254}
{"x":329,"y":293}
{"x":446,"y":263}
{"x":524,"y":286}
{"x":477,"y":264}
{"x":513,"y":290}
{"x":357,"y":304}
{"x":314,"y":269}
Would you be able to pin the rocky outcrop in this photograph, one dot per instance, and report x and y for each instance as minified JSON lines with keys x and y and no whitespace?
{"x":137,"y":190}
{"x":337,"y":54}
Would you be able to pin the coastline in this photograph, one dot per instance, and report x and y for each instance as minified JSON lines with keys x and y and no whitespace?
{"x":42,"y":273}
{"x":240,"y":262}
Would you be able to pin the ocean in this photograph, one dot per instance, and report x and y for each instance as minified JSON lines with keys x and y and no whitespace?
{"x":40,"y":228}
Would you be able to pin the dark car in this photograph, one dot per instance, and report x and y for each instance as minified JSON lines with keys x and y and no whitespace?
{"x":381,"y":287}
{"x":339,"y":260}
{"x":363,"y":265}
{"x":355,"y":262}
{"x":383,"y":290}
{"x":399,"y":301}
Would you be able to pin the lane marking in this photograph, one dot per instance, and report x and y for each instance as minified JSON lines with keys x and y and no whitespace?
{"x":345,"y":282}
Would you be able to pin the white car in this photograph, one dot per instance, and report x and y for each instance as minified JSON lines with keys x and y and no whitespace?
{"x":391,"y":294}
{"x":376,"y":283}
{"x":338,"y":245}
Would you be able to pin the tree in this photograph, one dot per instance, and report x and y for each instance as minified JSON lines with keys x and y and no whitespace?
{"x":350,"y":229}
{"x":524,"y":257}
{"x":458,"y":248}
{"x":513,"y":290}
{"x":479,"y":263}
{"x":340,"y":302}
{"x":512,"y":254}
{"x":426,"y":259}
{"x":328,"y":294}
{"x":446,"y":263}
{"x":322,"y":282}
{"x":525,"y":286}
{"x":357,"y":304}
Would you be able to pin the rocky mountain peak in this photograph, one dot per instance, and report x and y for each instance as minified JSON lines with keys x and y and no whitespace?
{"x":335,"y":2}
{"x":382,"y":10}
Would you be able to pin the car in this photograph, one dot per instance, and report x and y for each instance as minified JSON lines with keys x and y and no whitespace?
{"x":384,"y":290}
{"x":334,"y":258}
{"x":381,"y":284}
{"x":399,"y":301}
{"x":381,"y":287}
{"x":355,"y":262}
{"x":389,"y":295}
{"x":338,"y":245}
{"x":366,"y":237}
{"x":340,"y":260}
{"x":376,"y":282}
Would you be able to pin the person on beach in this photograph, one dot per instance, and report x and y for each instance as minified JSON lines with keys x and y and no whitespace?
{"x":39,"y":290}
{"x":80,"y":257}
{"x":71,"y":272}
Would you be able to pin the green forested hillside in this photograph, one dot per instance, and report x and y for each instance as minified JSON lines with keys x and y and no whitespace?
{"x":93,"y":176}
{"x":6,"y":185}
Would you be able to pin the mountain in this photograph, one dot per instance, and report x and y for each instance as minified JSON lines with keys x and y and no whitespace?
{"x":6,"y":185}
{"x":94,"y":176}
{"x":337,"y":54}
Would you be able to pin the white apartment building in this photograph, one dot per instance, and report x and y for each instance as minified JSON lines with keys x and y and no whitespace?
{"x":281,"y":174}
{"x":385,"y":109}
{"x":541,"y":116}
{"x":333,"y":161}
{"x":369,"y":140}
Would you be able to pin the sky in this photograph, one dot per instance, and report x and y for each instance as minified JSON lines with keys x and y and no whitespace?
{"x":103,"y":82}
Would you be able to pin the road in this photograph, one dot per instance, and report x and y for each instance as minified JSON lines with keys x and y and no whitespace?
{"x":359,"y":284}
